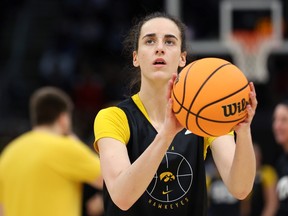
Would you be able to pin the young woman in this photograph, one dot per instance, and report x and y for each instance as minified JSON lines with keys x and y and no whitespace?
{"x":150,"y":165}
{"x":280,"y":131}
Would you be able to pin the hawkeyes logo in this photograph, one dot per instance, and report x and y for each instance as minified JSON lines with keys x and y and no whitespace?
{"x":172,"y":183}
{"x":167,"y":176}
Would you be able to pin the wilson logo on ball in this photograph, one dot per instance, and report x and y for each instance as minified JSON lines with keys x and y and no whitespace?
{"x":232,"y":109}
{"x":210,"y":96}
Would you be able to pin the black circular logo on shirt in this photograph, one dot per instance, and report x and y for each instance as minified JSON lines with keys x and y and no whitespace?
{"x":172,"y":180}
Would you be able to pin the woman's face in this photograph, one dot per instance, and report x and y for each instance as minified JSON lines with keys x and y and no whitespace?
{"x":280,"y":124}
{"x":159,"y":51}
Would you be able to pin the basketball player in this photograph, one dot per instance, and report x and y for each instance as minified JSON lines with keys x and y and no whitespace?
{"x":42,"y":171}
{"x":151,"y":165}
{"x":280,"y":131}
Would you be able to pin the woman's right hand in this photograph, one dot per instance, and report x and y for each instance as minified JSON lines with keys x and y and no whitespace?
{"x":171,"y":124}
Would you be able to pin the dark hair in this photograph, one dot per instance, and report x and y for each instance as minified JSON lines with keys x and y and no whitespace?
{"x":46,"y":105}
{"x":130,"y":44}
{"x":284,"y":102}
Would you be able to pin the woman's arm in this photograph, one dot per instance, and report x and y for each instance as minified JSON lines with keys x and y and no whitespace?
{"x":236,"y":161}
{"x":126,"y":182}
{"x":236,"y":164}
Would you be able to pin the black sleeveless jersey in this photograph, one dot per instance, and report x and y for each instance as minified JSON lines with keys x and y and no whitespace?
{"x":178,"y":188}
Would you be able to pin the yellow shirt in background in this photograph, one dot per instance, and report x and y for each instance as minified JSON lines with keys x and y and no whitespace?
{"x":41,"y":174}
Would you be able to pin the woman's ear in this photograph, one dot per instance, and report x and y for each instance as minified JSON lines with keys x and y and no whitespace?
{"x":182,"y":60}
{"x":135,"y":59}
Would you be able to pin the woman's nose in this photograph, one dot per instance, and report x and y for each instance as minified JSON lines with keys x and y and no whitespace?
{"x":160,"y":48}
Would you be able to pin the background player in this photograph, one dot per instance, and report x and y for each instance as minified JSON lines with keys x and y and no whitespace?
{"x":42,"y":171}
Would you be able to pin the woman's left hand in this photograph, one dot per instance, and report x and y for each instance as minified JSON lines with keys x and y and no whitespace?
{"x":251,"y":109}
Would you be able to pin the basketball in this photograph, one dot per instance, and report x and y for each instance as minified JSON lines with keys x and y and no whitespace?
{"x":210,"y":96}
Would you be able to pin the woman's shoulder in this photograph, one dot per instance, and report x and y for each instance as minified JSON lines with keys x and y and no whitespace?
{"x":112,"y":122}
{"x":108,"y":111}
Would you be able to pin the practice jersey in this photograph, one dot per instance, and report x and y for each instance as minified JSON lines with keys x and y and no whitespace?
{"x":179,"y":186}
{"x":42,"y":174}
{"x":282,"y":185}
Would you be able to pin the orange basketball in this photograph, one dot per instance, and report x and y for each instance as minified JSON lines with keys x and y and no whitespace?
{"x":210,"y":97}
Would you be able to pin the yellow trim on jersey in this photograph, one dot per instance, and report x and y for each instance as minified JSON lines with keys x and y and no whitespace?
{"x":269,"y":175}
{"x":208,"y":181}
{"x":112,"y":122}
{"x":140,"y":105}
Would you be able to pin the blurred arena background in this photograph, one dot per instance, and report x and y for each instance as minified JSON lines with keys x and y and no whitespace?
{"x":76,"y":45}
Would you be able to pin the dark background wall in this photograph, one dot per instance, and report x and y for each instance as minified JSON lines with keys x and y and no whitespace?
{"x":76,"y":45}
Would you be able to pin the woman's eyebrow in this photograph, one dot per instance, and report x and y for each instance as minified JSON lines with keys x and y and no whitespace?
{"x":165,"y":36}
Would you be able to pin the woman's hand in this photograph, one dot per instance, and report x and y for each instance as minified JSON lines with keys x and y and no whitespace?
{"x":171,"y":125}
{"x":251,"y":109}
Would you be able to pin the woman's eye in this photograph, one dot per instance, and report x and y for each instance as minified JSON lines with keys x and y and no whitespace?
{"x":150,"y":41}
{"x":169,"y":42}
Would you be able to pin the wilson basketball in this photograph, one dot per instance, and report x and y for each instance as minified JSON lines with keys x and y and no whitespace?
{"x":210,"y":96}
